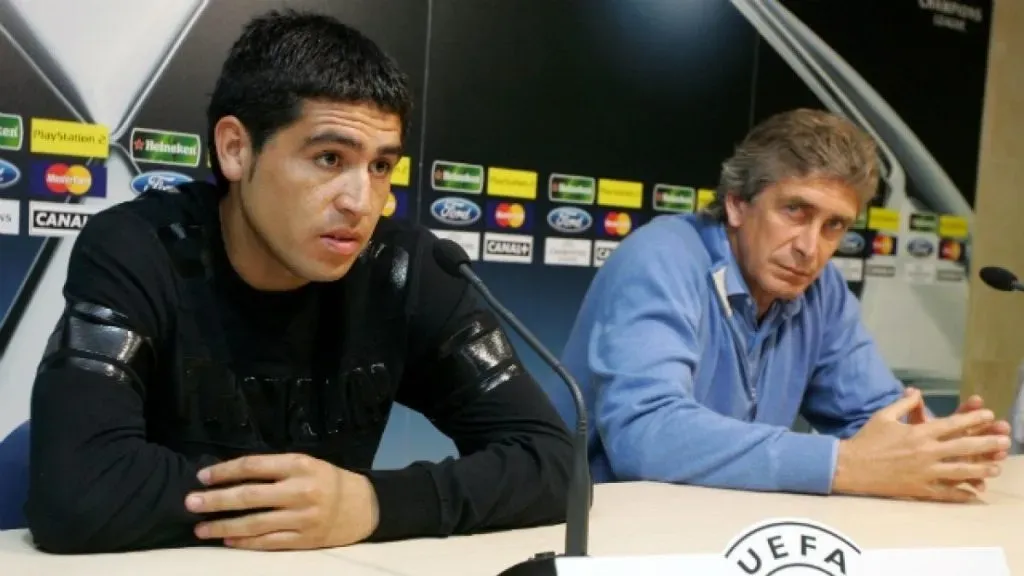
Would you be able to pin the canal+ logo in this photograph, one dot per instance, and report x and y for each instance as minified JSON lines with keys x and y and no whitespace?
{"x":793,"y":547}
{"x":455,"y":211}
{"x":158,"y":180}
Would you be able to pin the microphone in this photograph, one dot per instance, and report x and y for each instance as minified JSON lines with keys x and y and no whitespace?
{"x":1000,"y":279}
{"x":453,"y":260}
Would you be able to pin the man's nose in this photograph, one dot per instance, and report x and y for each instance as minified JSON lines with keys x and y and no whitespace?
{"x":355,"y":192}
{"x":807,"y":241}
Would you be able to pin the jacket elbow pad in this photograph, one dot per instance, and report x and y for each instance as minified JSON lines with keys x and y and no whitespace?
{"x":97,"y":339}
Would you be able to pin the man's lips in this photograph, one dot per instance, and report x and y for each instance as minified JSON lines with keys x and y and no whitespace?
{"x":345,"y":243}
{"x":794,"y":272}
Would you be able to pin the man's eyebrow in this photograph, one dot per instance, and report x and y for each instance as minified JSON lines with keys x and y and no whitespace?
{"x":333,"y":138}
{"x":350,"y":142}
{"x":798,"y":200}
{"x":801,"y":201}
{"x":392,"y":150}
{"x":845,"y":220}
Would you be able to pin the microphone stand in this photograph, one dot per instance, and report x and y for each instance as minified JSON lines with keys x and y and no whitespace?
{"x":577,"y":518}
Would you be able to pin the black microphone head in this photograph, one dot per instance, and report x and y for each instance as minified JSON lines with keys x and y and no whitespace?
{"x":450,"y":256}
{"x":998,"y":278}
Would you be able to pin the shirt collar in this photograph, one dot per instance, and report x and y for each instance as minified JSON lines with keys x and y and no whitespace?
{"x":731,"y":288}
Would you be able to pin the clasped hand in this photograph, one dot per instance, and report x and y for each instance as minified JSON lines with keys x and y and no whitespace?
{"x":296,"y":502}
{"x":922,"y":457}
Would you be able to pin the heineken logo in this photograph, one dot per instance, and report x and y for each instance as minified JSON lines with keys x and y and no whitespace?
{"x":668,"y":198}
{"x":11,"y":131}
{"x":572,"y":189}
{"x":924,"y":222}
{"x":164,"y":147}
{"x":457,"y":177}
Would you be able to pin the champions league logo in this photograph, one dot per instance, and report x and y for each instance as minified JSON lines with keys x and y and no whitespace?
{"x":793,"y":547}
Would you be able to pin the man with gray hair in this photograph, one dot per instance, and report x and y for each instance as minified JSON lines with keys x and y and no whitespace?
{"x":704,"y":335}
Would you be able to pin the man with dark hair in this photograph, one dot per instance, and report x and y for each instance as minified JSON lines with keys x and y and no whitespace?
{"x":703,"y":336}
{"x":229,"y":355}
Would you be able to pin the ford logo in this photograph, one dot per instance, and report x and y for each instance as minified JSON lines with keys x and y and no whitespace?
{"x":570,"y":219}
{"x":455,"y":211}
{"x":160,"y":180}
{"x":852,"y":243}
{"x":9,"y":174}
{"x":920,"y":248}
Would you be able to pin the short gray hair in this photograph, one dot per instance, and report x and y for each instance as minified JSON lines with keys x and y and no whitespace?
{"x":801,"y":143}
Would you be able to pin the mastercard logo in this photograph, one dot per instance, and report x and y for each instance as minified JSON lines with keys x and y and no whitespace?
{"x":951,"y":250}
{"x":883,"y":245}
{"x":64,"y":179}
{"x":390,"y":206}
{"x":617,"y":224}
{"x":509,"y":215}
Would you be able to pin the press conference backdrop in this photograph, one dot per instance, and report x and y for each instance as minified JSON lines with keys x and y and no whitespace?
{"x":542,"y":137}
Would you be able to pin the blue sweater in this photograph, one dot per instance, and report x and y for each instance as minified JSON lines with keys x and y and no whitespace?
{"x":683,"y":386}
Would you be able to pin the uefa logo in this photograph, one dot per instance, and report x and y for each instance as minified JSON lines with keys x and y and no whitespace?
{"x":793,"y":547}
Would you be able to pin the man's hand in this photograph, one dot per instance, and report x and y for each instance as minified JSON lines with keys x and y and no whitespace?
{"x":929,"y":461}
{"x":919,"y":415}
{"x":298,"y":502}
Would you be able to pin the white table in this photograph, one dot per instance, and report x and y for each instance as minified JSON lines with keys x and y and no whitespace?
{"x":627,"y":519}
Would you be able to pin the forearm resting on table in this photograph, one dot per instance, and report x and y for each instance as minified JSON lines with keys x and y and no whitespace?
{"x":684,"y":442}
{"x":96,"y":484}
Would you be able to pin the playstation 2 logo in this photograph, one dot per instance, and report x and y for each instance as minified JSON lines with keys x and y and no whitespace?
{"x":792,"y":546}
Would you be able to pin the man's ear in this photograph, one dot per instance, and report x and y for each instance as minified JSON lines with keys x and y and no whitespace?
{"x":233,"y":147}
{"x":735,"y":209}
